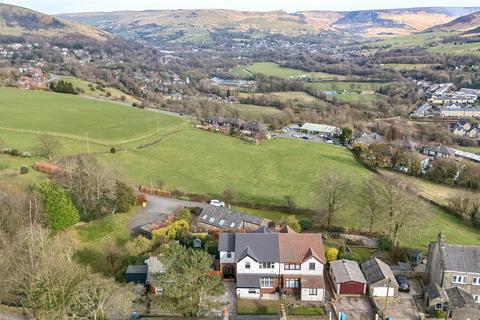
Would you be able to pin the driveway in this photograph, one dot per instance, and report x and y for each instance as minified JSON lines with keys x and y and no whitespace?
{"x":403,"y":307}
{"x":355,"y":307}
{"x":157,"y":210}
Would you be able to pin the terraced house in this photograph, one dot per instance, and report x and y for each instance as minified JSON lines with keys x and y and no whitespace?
{"x":268,"y":265}
{"x":454,"y":279}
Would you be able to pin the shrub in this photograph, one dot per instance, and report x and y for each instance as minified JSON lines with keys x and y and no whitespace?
{"x":182,"y":214}
{"x":292,"y":222}
{"x":332,"y":254}
{"x":14,"y":152}
{"x":138,"y":246}
{"x":440,"y":314}
{"x":350,"y":256}
{"x":124,"y":197}
{"x":385,"y":243}
{"x":113,"y":150}
{"x":24,"y":170}
{"x":306,"y":224}
{"x":58,"y":209}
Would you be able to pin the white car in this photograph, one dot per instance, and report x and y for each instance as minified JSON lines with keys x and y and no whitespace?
{"x":217,"y":203}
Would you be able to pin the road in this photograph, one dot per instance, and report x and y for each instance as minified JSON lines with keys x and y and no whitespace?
{"x":157,"y":209}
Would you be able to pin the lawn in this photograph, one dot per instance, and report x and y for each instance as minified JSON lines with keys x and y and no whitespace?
{"x":76,"y":117}
{"x":413,"y":66}
{"x":258,"y":307}
{"x":348,"y":85}
{"x":91,"y":238}
{"x":306,"y":311}
{"x":252,"y":112}
{"x":91,"y":89}
{"x":275,"y":70}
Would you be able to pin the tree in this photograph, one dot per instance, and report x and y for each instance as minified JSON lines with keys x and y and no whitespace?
{"x":124,"y":197}
{"x":58,"y":210}
{"x":400,"y":207}
{"x":292,"y":222}
{"x":48,"y":146}
{"x":333,"y":194}
{"x":331,"y":254}
{"x":188,"y":286}
{"x":229,"y":195}
{"x":346,"y":135}
{"x":371,"y":202}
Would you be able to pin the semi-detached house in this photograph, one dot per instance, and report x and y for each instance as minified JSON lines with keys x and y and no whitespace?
{"x":270,"y":264}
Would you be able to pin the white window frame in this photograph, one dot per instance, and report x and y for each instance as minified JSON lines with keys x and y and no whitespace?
{"x":266,"y":265}
{"x":267,"y":282}
{"x":229,"y":255}
{"x":476,"y":281}
{"x":292,"y":283}
{"x":312,"y":292}
{"x":252,"y":291}
{"x":204,"y":217}
{"x":310,"y":266}
{"x":438,"y":304}
{"x":476,"y":298}
{"x":292,"y":266}
{"x":222,"y":222}
{"x":232,"y":225}
{"x":211,"y":220}
{"x":247,"y":265}
{"x":459,"y":279}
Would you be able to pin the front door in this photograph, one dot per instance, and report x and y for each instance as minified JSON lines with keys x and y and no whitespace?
{"x":228,"y":272}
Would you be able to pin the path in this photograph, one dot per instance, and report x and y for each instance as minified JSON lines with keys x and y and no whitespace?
{"x":157,"y":209}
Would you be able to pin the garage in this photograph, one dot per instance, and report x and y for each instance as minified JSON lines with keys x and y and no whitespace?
{"x":347,"y":278}
{"x":380,"y":278}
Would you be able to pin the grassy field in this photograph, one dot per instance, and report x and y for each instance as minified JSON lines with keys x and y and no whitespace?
{"x":252,"y":112}
{"x":413,"y":66}
{"x":294,"y":96}
{"x":200,"y":162}
{"x":275,"y":70}
{"x":347,"y":86}
{"x":465,"y":48}
{"x":91,"y":89}
{"x":412,"y":40}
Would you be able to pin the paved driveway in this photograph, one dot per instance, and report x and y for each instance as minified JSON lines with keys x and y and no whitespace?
{"x":355,"y":307}
{"x":157,"y":209}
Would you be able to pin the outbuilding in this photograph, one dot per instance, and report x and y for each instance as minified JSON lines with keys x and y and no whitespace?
{"x":380,"y":278}
{"x":347,"y":278}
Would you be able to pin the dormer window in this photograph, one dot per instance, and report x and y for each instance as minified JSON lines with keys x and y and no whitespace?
{"x":459,"y":279}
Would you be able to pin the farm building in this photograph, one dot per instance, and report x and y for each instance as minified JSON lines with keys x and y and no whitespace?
{"x":380,"y":278}
{"x":347,"y":277}
{"x":321,"y":129}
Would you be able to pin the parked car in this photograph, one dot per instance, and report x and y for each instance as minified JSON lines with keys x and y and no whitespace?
{"x":296,"y":135}
{"x":329,"y":141}
{"x":217,"y":203}
{"x":403,"y":284}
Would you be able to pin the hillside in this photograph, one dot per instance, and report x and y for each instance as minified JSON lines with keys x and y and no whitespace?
{"x":464,"y":23}
{"x":201,"y":22}
{"x":19,"y":21}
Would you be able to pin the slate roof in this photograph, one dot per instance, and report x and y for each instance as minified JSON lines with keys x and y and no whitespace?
{"x":375,"y":270}
{"x":460,"y":258}
{"x":226,"y":242}
{"x":250,"y":280}
{"x":224,"y":218}
{"x":434,"y":291}
{"x":247,"y":252}
{"x":439,"y":149}
{"x":263,"y":245}
{"x":137,"y":269}
{"x":346,"y":270}
{"x":404,"y":143}
{"x":459,"y":298}
{"x":370,"y":138}
{"x":263,"y":229}
{"x":295,"y":247}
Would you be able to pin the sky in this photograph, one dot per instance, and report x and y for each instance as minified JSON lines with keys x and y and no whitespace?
{"x":63,"y":6}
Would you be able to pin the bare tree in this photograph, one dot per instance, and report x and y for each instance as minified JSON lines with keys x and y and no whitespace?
{"x":371,"y":201}
{"x":48,"y":146}
{"x":333,"y":194}
{"x":401,"y":206}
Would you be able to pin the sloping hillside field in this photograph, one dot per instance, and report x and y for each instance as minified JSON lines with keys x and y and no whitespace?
{"x":195,"y":161}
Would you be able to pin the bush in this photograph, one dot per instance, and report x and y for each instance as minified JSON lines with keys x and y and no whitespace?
{"x":332,"y":254}
{"x":385,"y":243}
{"x":124,"y":197}
{"x":14,"y":152}
{"x":350,"y":256}
{"x":440,"y":314}
{"x":58,"y":210}
{"x":113,"y":150}
{"x":24,"y":170}
{"x":306,"y":224}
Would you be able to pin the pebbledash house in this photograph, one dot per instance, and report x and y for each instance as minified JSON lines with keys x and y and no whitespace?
{"x":270,"y":265}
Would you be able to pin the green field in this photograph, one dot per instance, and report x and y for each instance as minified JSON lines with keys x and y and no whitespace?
{"x":412,"y":40}
{"x":465,"y":48}
{"x":348,"y":85}
{"x":405,"y":66}
{"x":275,"y":70}
{"x":199,"y":162}
{"x":252,"y":112}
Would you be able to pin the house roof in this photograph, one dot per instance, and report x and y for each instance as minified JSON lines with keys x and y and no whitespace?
{"x":404,"y":143}
{"x":250,"y":280}
{"x":137,"y":269}
{"x":226,"y":242}
{"x":287,"y":229}
{"x":459,"y":298}
{"x":263,"y":229}
{"x":264,"y":246}
{"x":460,"y":258}
{"x":347,"y":270}
{"x":440,"y":149}
{"x":312,"y":282}
{"x":375,"y":270}
{"x":314,"y":127}
{"x":296,"y":247}
{"x":434,"y":291}
{"x":247,"y":252}
{"x":224,"y":218}
{"x":370,"y":138}
{"x":253,"y":126}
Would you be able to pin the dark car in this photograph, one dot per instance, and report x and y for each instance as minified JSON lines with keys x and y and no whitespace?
{"x":403,"y":284}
